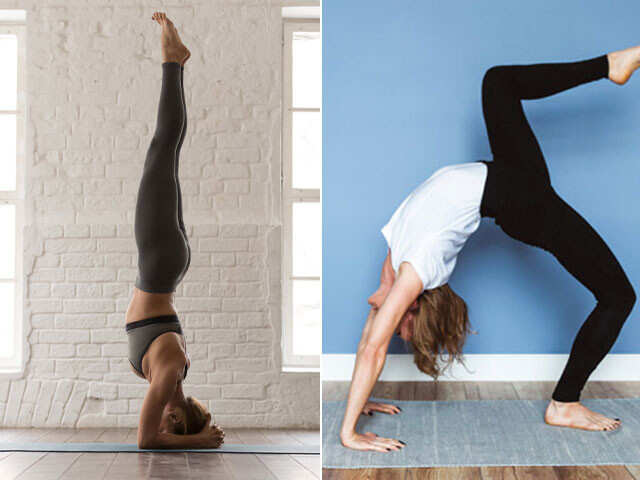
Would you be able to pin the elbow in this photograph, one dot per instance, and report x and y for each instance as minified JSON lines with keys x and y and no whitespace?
{"x":146,"y":442}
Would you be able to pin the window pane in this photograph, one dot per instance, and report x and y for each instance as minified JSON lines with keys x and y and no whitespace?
{"x":7,"y":152}
{"x":7,"y":319}
{"x":306,"y":69}
{"x":7,"y":241}
{"x":306,"y":317}
{"x":307,"y":239}
{"x":306,"y":150}
{"x":9,"y":77}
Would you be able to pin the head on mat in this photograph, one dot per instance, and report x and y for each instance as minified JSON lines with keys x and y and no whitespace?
{"x":184,"y":417}
{"x":156,"y":343}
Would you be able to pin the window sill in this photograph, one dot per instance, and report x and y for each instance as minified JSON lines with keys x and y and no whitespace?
{"x":290,"y":369}
{"x":13,"y":373}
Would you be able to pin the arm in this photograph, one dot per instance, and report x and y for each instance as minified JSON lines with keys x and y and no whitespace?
{"x":161,"y":390}
{"x":371,"y":356}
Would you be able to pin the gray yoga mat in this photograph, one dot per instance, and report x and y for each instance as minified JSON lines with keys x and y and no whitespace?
{"x":484,"y":433}
{"x":127,"y":447}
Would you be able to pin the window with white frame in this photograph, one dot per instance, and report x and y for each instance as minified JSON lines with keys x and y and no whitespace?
{"x":301,"y":182}
{"x":12,"y":135}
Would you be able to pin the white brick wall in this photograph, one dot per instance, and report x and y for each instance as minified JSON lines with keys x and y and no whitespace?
{"x":93,"y":75}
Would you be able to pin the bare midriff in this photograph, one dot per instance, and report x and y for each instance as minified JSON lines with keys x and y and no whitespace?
{"x":148,"y":305}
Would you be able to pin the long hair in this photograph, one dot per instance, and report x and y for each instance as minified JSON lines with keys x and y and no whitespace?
{"x":440,"y":326}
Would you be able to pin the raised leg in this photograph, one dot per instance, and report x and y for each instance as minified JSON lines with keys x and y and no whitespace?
{"x":512,"y":141}
{"x":184,"y":131}
{"x":163,"y":251}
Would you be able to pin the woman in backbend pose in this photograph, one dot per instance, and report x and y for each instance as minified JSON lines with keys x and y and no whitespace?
{"x":157,"y":349}
{"x":431,"y":226}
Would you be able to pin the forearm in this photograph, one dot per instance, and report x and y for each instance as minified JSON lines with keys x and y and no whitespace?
{"x":369,"y":364}
{"x":170,"y":440}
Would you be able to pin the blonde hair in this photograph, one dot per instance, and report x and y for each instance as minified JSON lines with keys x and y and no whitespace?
{"x":440,"y":325}
{"x":195,"y":415}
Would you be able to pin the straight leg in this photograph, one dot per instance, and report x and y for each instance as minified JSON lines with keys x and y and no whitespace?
{"x":162,"y":248}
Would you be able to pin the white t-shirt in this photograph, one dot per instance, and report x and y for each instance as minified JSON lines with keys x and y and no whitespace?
{"x":433,"y":223}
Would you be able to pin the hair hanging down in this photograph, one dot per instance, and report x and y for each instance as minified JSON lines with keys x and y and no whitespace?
{"x":440,"y":326}
{"x":195,"y":418}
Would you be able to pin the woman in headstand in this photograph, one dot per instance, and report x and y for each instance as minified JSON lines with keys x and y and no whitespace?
{"x":430,"y":227}
{"x":157,"y":349}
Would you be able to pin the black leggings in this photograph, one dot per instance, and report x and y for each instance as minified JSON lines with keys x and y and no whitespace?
{"x":163,"y":248}
{"x":519,"y":195}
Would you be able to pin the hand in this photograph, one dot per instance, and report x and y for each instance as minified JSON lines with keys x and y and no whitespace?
{"x":211,"y":436}
{"x":371,"y":407}
{"x":371,"y":442}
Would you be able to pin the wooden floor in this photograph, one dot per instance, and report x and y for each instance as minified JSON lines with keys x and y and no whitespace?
{"x":174,"y":466}
{"x":483,"y":391}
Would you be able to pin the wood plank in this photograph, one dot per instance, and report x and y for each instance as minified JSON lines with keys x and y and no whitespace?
{"x":312,"y":463}
{"x":448,"y":473}
{"x":626,"y":389}
{"x":51,"y":465}
{"x":610,"y":472}
{"x":497,"y":391}
{"x":307,"y":437}
{"x":426,"y":391}
{"x":518,"y":473}
{"x":19,"y":462}
{"x":247,"y":467}
{"x":634,"y":471}
{"x":207,"y":465}
{"x":534,"y":390}
{"x":88,"y":465}
{"x":283,"y":467}
{"x":125,"y":465}
{"x":471,"y":390}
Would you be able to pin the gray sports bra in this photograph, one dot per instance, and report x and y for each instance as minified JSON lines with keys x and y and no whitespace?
{"x":141,"y":333}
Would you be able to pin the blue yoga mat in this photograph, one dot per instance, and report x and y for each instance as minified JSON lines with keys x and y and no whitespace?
{"x":127,"y":447}
{"x":484,"y":433}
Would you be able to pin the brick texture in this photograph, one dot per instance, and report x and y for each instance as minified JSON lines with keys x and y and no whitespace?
{"x":93,"y":74}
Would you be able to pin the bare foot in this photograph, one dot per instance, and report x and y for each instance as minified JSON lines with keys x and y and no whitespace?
{"x":623,"y":63}
{"x":173,"y":50}
{"x":575,"y":415}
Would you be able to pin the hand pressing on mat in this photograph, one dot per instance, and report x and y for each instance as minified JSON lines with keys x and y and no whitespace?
{"x":371,"y":407}
{"x":371,"y":442}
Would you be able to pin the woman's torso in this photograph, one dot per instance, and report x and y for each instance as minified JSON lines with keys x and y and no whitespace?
{"x":432,"y":224}
{"x":144,"y":306}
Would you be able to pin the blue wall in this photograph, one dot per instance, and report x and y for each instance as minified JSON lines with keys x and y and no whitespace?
{"x":402,"y":98}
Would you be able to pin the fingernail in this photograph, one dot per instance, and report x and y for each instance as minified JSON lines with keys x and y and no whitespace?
{"x":388,"y":449}
{"x":402,"y":442}
{"x":371,"y":414}
{"x":399,"y":408}
{"x":617,"y":419}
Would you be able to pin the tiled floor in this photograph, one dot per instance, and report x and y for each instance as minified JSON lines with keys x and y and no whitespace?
{"x":174,"y":466}
{"x":484,"y":391}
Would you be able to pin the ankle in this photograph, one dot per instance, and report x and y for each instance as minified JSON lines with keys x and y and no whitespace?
{"x":562,"y":405}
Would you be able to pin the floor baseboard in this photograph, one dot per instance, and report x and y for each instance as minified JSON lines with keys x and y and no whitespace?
{"x":483,"y":368}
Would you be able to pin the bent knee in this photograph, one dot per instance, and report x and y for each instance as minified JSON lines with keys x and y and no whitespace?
{"x":494,"y":77}
{"x":621,"y":298}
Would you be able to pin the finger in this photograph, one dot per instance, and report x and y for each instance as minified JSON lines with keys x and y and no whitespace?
{"x":386,"y":445}
{"x":391,"y":442}
{"x":375,"y":448}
